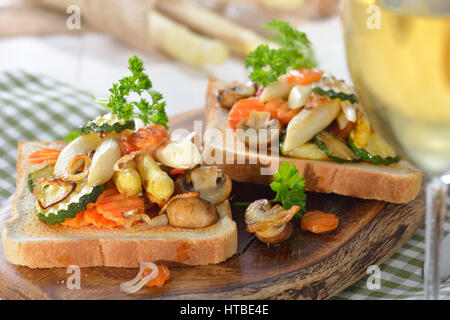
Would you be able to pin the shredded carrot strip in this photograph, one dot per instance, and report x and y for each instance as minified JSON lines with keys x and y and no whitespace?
{"x":44,"y":155}
{"x":160,"y":279}
{"x":318,"y":222}
{"x":106,"y":211}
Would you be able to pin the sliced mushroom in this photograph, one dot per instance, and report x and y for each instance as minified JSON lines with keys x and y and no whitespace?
{"x":191,"y":211}
{"x":234,"y":92}
{"x":259,"y":130}
{"x":270,"y":224}
{"x":212,"y":184}
{"x":276,"y":235}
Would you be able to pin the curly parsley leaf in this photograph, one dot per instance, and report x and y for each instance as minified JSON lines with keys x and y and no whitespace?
{"x":295,"y":52}
{"x":289,"y":186}
{"x":138,"y":83}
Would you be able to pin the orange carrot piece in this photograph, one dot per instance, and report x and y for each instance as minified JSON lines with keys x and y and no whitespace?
{"x":304,"y":76}
{"x":146,"y":137}
{"x":44,"y":155}
{"x":279,"y":109}
{"x":242,"y":109}
{"x":160,"y":279}
{"x":318,"y":222}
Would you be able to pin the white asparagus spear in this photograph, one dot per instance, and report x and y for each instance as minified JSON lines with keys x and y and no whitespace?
{"x":276,"y":4}
{"x":161,"y":32}
{"x":181,"y":43}
{"x":239,"y":39}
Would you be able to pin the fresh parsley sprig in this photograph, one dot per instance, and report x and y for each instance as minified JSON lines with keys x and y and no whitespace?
{"x":138,"y":83}
{"x":295,"y":52}
{"x":289,"y":186}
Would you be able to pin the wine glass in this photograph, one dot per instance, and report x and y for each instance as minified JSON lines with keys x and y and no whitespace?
{"x":398,"y":53}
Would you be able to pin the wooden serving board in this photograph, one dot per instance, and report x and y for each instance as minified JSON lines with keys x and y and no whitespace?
{"x":308,"y":266}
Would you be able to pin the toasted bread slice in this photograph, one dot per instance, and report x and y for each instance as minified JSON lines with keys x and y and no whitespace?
{"x":30,"y":242}
{"x":398,"y":183}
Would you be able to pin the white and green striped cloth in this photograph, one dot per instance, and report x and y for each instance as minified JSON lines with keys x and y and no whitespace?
{"x":38,"y":108}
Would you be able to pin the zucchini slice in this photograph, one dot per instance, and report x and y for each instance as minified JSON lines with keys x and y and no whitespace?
{"x":369,"y":145}
{"x":107,"y":123}
{"x":76,"y":202}
{"x":335,"y":148}
{"x":38,"y":175}
{"x":335,"y":89}
{"x":307,"y":150}
{"x":335,"y":95}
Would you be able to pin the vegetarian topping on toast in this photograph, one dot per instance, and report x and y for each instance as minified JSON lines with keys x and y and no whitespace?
{"x":317,"y":113}
{"x":133,"y":156}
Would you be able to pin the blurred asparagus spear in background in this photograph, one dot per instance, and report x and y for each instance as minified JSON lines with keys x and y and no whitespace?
{"x":179,"y":42}
{"x":137,"y":23}
{"x":239,"y":39}
{"x":276,"y":4}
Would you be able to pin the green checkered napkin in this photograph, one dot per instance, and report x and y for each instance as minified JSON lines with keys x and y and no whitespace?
{"x":38,"y":108}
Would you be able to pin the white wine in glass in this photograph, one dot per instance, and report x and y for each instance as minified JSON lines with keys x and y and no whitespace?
{"x":398,"y":52}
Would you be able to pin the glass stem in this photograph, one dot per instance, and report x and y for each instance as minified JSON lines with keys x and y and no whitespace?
{"x":436,"y":193}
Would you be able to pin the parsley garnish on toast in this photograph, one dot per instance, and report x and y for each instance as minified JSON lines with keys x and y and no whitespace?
{"x":295,"y":52}
{"x":137,"y":83}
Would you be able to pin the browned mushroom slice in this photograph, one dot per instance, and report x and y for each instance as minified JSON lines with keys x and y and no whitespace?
{"x":260,"y":130}
{"x":234,"y":92}
{"x":212,"y":184}
{"x":190,"y":211}
{"x":270,"y":224}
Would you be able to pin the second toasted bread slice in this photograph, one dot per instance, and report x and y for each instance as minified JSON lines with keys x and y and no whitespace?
{"x":399,"y":182}
{"x":30,"y":242}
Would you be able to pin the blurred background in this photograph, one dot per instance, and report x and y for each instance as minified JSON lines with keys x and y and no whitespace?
{"x":86,"y":43}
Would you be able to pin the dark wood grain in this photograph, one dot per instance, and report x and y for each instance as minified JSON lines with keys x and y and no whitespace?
{"x":307,"y":266}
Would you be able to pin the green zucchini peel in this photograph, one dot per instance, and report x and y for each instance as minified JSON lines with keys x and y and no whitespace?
{"x":375,"y":159}
{"x":72,"y":209}
{"x":335,"y":95}
{"x":107,"y":128}
{"x":332,"y":155}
